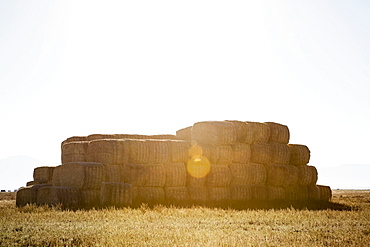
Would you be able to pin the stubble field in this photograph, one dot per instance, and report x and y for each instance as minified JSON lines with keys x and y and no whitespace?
{"x":343,"y":222}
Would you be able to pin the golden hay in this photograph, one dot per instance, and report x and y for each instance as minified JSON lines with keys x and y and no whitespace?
{"x":82,"y":175}
{"x":257,"y":132}
{"x":159,"y":151}
{"x":221,"y":155}
{"x":261,"y":152}
{"x":280,"y":154}
{"x":175,"y":175}
{"x":198,"y":193}
{"x":214,"y":132}
{"x":241,"y":192}
{"x":276,"y":193}
{"x":279,"y":133}
{"x":43,"y":174}
{"x":74,"y":151}
{"x":90,"y":197}
{"x":150,"y":195}
{"x":297,"y":193}
{"x":241,"y":153}
{"x":28,"y":195}
{"x":325,"y":192}
{"x":137,"y":151}
{"x":276,"y":174}
{"x":74,"y":139}
{"x":179,"y":151}
{"x":54,"y":195}
{"x":107,"y":151}
{"x":116,"y":173}
{"x":299,"y":154}
{"x":292,"y":177}
{"x":116,"y":194}
{"x":219,"y":176}
{"x":219,"y":194}
{"x":147,"y":175}
{"x":240,"y":130}
{"x":248,"y":174}
{"x":184,"y":134}
{"x":259,"y":192}
{"x":307,"y":175}
{"x":94,"y":137}
{"x":176,"y":194}
{"x":313,"y":192}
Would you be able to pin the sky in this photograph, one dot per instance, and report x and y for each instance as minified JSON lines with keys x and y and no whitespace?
{"x":72,"y":68}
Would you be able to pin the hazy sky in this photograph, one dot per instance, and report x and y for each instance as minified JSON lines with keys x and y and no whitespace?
{"x":152,"y":67}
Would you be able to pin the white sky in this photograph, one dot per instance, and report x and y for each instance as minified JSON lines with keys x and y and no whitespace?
{"x":152,"y":67}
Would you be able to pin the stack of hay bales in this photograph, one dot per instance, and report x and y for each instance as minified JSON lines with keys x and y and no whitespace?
{"x":263,"y":165}
{"x":209,"y":162}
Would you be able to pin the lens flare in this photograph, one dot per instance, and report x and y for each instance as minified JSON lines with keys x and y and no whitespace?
{"x":198,"y":166}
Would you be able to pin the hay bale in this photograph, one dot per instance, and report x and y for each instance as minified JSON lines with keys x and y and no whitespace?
{"x":163,"y":137}
{"x":195,"y":181}
{"x":214,"y":133}
{"x":74,"y":151}
{"x":198,"y":167}
{"x":90,"y":197}
{"x":219,"y":176}
{"x":257,"y":132}
{"x":116,"y":194}
{"x":307,"y":175}
{"x":291,"y":178}
{"x":175,"y":175}
{"x":261,"y":152}
{"x":179,"y":151}
{"x":82,"y":175}
{"x":116,"y":173}
{"x":94,"y":137}
{"x":240,"y":130}
{"x":150,"y":195}
{"x":221,"y":155}
{"x":74,"y":139}
{"x":276,"y":193}
{"x":199,"y":150}
{"x":63,"y":195}
{"x":241,"y":153}
{"x":299,"y":154}
{"x":248,"y":174}
{"x":137,"y":151}
{"x":297,"y":193}
{"x":259,"y":192}
{"x":175,"y":195}
{"x":240,"y":192}
{"x":184,"y":134}
{"x":107,"y":151}
{"x":219,"y":194}
{"x":325,"y":192}
{"x":276,"y":174}
{"x":147,"y":175}
{"x":29,"y":183}
{"x":28,"y":195}
{"x":198,"y":194}
{"x":280,"y":154}
{"x":279,"y":133}
{"x":43,"y":174}
{"x":313,"y":192}
{"x":159,"y":151}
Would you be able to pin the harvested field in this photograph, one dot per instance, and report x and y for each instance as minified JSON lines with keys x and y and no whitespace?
{"x":342,"y":222}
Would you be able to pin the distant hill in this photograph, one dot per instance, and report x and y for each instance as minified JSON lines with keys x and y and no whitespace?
{"x":345,"y":176}
{"x":16,"y":171}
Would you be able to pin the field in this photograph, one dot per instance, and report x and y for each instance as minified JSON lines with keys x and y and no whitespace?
{"x":343,"y":222}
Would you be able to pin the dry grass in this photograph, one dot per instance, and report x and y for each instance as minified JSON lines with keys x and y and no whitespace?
{"x":342,"y":223}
